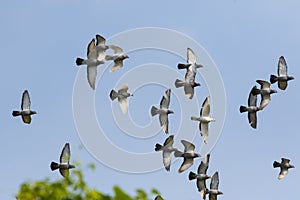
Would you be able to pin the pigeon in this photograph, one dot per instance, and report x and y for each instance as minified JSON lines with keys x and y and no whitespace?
{"x":117,"y":57}
{"x":188,"y":155}
{"x":191,"y":62}
{"x":122,"y":95}
{"x":164,"y":111}
{"x":201,"y":176}
{"x":25,"y":106}
{"x":284,"y":167}
{"x":252,"y":108}
{"x":64,"y":165}
{"x":282,"y":77}
{"x":204,"y":119}
{"x":214,"y":184}
{"x":94,"y":58}
{"x":158,"y":197}
{"x":265,"y":92}
{"x":167,"y":150}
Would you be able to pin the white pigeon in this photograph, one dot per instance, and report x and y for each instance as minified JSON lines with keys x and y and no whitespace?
{"x":94,"y":58}
{"x":117,"y":57}
{"x":164,"y":111}
{"x":214,"y":185}
{"x":201,"y":176}
{"x":167,"y":150}
{"x":252,"y":108}
{"x":188,"y":155}
{"x":282,"y":77}
{"x":122,"y":96}
{"x":204,"y":119}
{"x":284,"y":167}
{"x":25,"y":112}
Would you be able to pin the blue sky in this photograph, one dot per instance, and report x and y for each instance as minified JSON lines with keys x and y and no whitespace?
{"x":41,"y":40}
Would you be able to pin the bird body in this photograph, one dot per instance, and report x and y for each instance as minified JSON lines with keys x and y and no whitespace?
{"x":188,"y":155}
{"x":122,"y":96}
{"x":167,"y":150}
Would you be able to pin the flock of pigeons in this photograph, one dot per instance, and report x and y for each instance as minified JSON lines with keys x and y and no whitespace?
{"x":96,"y":55}
{"x":265,"y":92}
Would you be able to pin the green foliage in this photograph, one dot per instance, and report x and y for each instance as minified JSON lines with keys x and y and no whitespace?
{"x":73,"y":188}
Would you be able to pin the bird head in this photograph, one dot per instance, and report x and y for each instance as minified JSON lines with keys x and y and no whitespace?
{"x":291,"y":78}
{"x":33,"y":112}
{"x":170,"y":112}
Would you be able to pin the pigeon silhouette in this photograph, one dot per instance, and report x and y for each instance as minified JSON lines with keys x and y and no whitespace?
{"x":94,"y":58}
{"x":122,"y":96}
{"x":64,"y":162}
{"x":284,"y":167}
{"x":201,"y":176}
{"x":252,"y":108}
{"x":164,"y":111}
{"x":117,"y":57}
{"x":282,"y":77}
{"x":214,"y":184}
{"x":188,"y":155}
{"x":204,"y":119}
{"x":25,"y":112}
{"x":167,"y":150}
{"x":265,"y":91}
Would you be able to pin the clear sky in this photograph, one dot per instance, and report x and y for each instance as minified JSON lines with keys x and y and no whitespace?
{"x":40,"y":41}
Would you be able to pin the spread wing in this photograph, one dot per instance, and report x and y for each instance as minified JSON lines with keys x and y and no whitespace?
{"x":118,"y":63}
{"x":283,"y":172}
{"x":205,"y":110}
{"x":282,"y":84}
{"x":92,"y":75}
{"x":204,"y":131}
{"x":187,"y":163}
{"x":25,"y":105}
{"x":65,"y":154}
{"x":165,"y":101}
{"x":189,"y":91}
{"x":214,"y":184}
{"x":167,"y":157}
{"x":117,"y":50}
{"x":265,"y":100}
{"x":188,"y":147}
{"x":26,"y":119}
{"x":191,"y":58}
{"x":123,"y":104}
{"x":263,"y":84}
{"x":169,"y":141}
{"x":252,"y":99}
{"x":64,"y":172}
{"x":202,"y":169}
{"x":123,"y":89}
{"x":100,"y":40}
{"x":91,"y":50}
{"x":285,"y":160}
{"x":282,"y":67}
{"x":164,"y":122}
{"x":201,"y":185}
{"x":252,"y":119}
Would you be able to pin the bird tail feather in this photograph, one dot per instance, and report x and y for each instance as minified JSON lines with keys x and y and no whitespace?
{"x":192,"y":176}
{"x":243,"y":109}
{"x":79,"y":61}
{"x":273,"y":79}
{"x":276,"y":164}
{"x":154,"y":111}
{"x":183,"y":66}
{"x":179,"y":83}
{"x":16,"y":113}
{"x":195,"y":118}
{"x":54,"y":166}
{"x":113,"y":95}
{"x":158,"y":147}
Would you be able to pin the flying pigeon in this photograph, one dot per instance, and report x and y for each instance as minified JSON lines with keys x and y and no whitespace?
{"x":122,"y":95}
{"x":95,"y":57}
{"x":284,"y":167}
{"x":282,"y":77}
{"x":201,"y":176}
{"x":188,"y":155}
{"x":191,"y":62}
{"x":163,"y":111}
{"x":64,"y":164}
{"x":189,"y":84}
{"x":25,"y":109}
{"x":117,"y":57}
{"x":252,"y":108}
{"x":167,"y":150}
{"x":214,"y":184}
{"x":265,"y":92}
{"x":204,"y":119}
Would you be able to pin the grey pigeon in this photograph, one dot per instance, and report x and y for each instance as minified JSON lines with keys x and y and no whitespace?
{"x":64,"y":162}
{"x":214,"y":184}
{"x":204,"y":119}
{"x":282,"y":77}
{"x":122,"y":96}
{"x":117,"y":57}
{"x":25,"y":112}
{"x":167,"y":150}
{"x":284,"y":167}
{"x":201,"y":176}
{"x":94,"y":58}
{"x":164,"y":111}
{"x":188,"y":155}
{"x":252,"y":108}
{"x":191,"y":62}
{"x":265,"y":91}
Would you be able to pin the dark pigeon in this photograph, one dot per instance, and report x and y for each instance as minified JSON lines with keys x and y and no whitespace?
{"x":284,"y":167}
